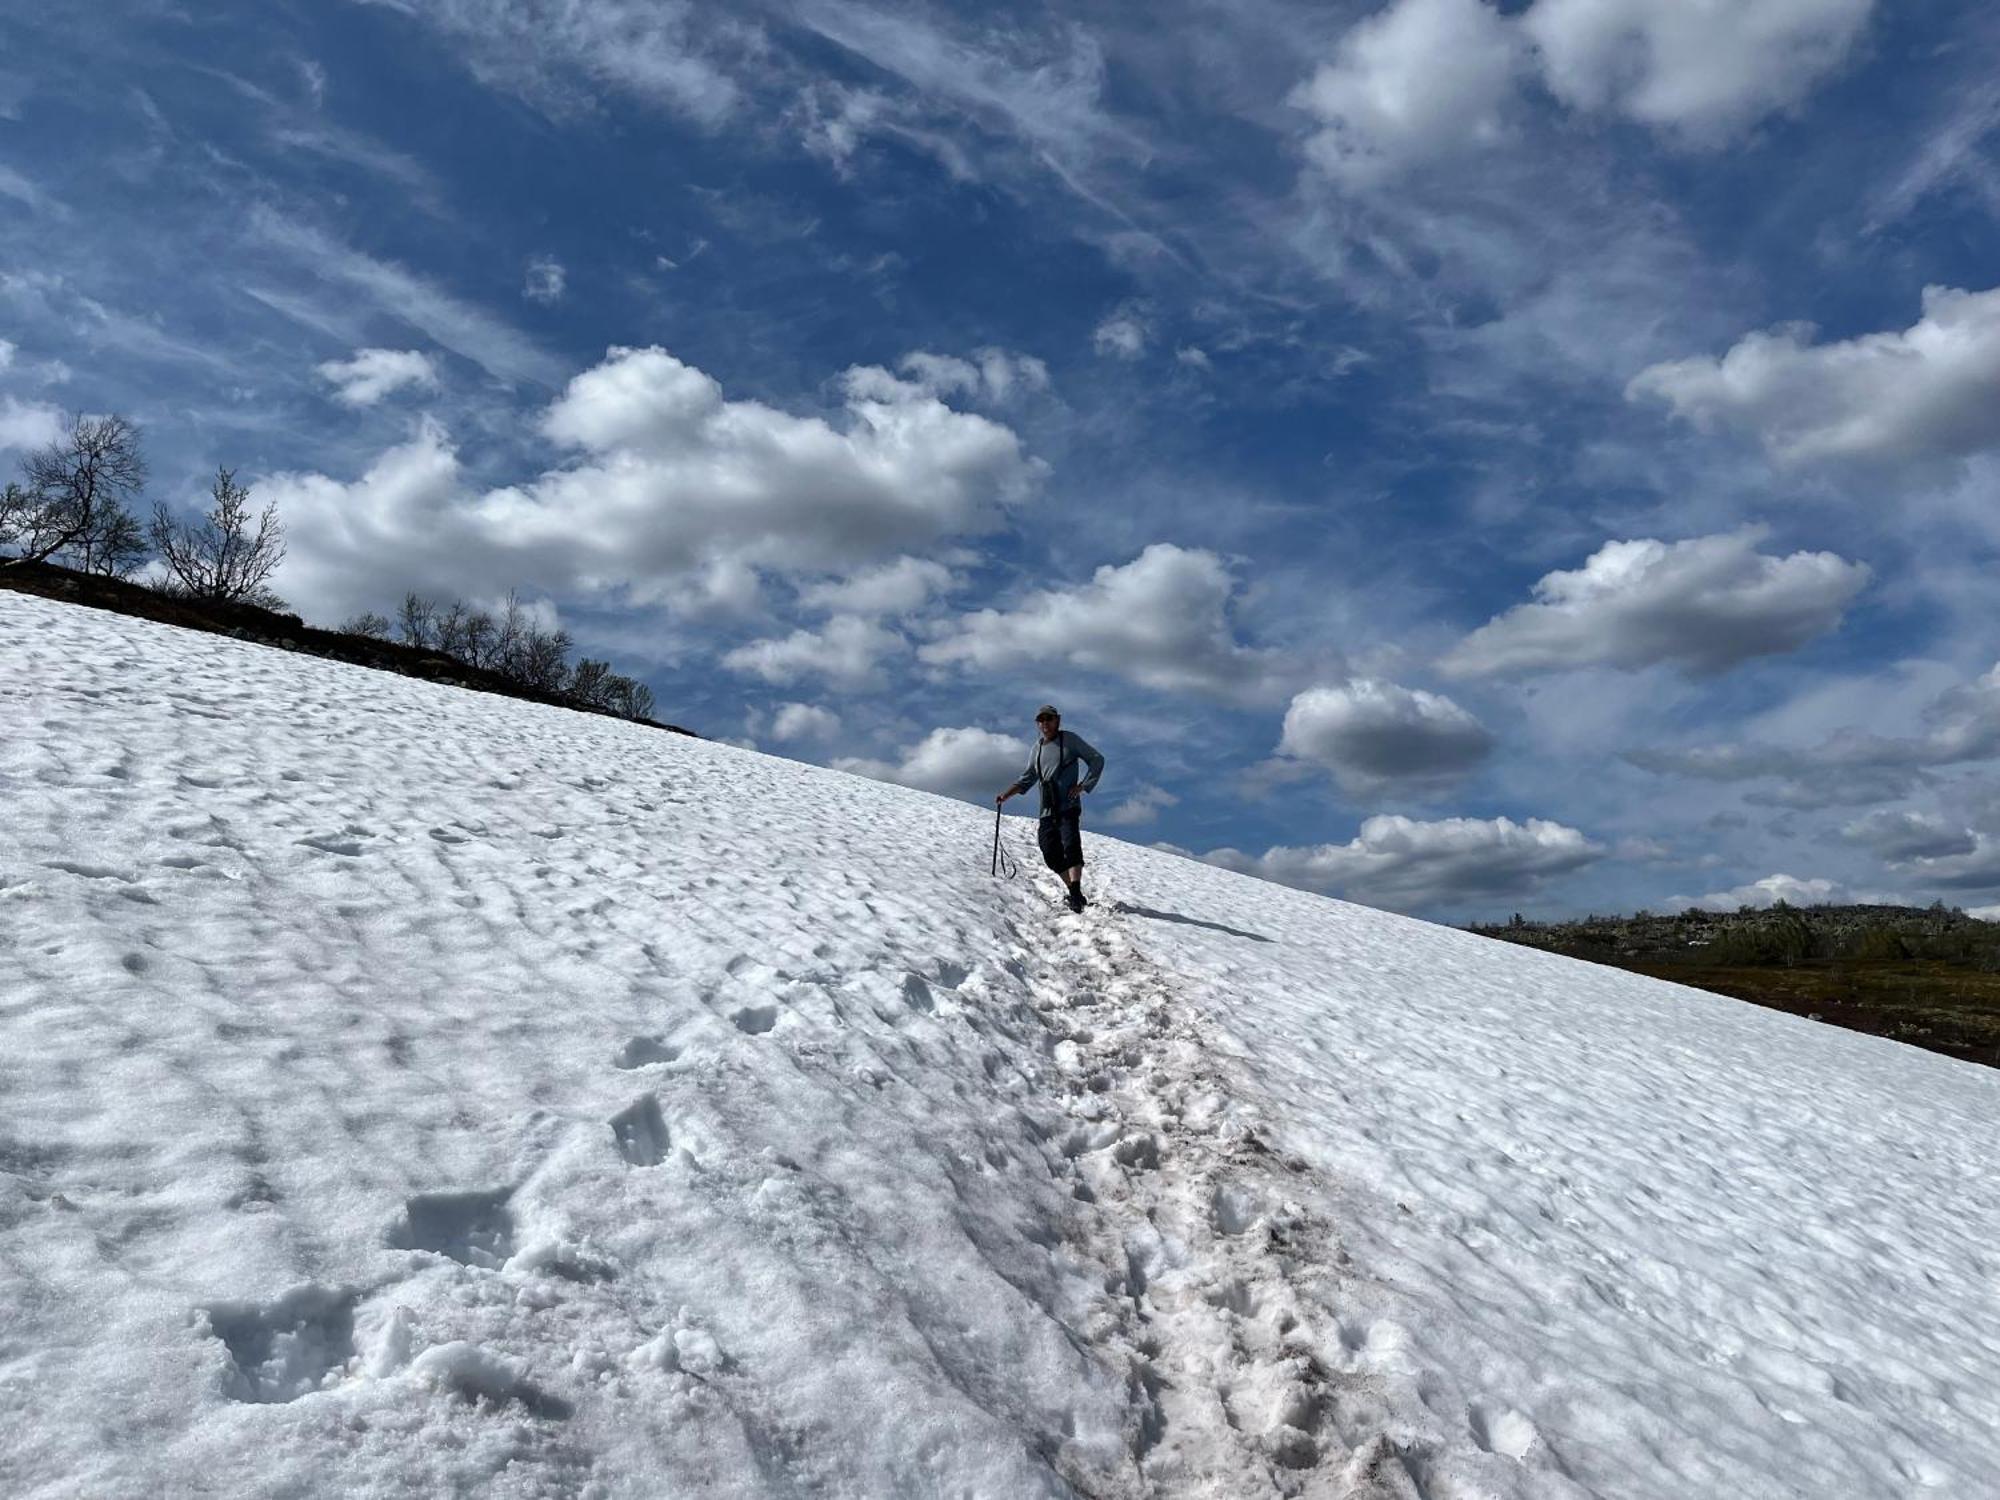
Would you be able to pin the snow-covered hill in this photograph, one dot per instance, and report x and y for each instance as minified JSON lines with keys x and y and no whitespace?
{"x":407,"y":1092}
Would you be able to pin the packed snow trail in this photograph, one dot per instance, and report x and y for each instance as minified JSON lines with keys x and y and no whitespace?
{"x":407,"y":1092}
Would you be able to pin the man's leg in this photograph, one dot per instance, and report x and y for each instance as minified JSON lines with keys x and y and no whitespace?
{"x":1073,"y":859}
{"x":1049,"y":834}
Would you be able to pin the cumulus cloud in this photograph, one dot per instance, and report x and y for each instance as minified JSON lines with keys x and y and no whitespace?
{"x":1703,"y":605}
{"x":1922,"y":396}
{"x":1901,"y":836}
{"x":1408,"y":865}
{"x":1769,"y":892}
{"x":1372,"y":735}
{"x":1705,"y":72}
{"x":1161,"y":620}
{"x":901,"y":587}
{"x":1424,"y":81}
{"x":846,"y":652}
{"x":804,"y":721}
{"x":374,"y":373}
{"x":1142,"y":805}
{"x":674,"y":478}
{"x":545,"y":280}
{"x":1851,"y":766}
{"x":1419,"y":81}
{"x":399,"y":527}
{"x":1123,"y":335}
{"x":679,"y":495}
{"x":969,"y":763}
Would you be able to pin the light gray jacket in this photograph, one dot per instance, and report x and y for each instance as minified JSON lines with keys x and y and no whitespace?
{"x":1053,"y":764}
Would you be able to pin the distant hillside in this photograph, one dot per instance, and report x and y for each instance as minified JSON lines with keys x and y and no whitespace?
{"x":1929,"y":976}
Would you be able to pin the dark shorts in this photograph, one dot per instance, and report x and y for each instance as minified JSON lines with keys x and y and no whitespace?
{"x":1062,"y":841}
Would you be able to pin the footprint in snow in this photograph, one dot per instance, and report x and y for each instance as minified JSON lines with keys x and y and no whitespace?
{"x":474,"y":1229}
{"x":640,"y":1051}
{"x":282,"y":1350}
{"x":641,"y":1132}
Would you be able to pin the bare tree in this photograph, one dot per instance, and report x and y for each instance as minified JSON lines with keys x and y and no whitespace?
{"x":220,"y":557}
{"x":416,"y":622}
{"x":79,"y":485}
{"x":18,"y":512}
{"x":629,"y":699}
{"x":370,"y":625}
{"x":589,"y":683}
{"x":449,"y":634}
{"x":545,"y":659}
{"x":477,"y":635}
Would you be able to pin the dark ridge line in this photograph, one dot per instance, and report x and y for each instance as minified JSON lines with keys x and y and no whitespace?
{"x":282,"y":632}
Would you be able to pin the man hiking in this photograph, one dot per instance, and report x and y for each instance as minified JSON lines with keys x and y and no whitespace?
{"x":1053,"y":764}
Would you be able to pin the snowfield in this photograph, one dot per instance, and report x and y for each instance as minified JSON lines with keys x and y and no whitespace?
{"x":409,"y":1092}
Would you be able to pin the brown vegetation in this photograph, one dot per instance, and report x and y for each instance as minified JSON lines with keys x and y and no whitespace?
{"x":1929,"y":976}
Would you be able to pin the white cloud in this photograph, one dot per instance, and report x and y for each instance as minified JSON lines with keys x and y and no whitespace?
{"x":1920,"y":396}
{"x":1425,"y":81}
{"x":1900,"y":836}
{"x":1408,"y":865}
{"x":374,"y":373}
{"x":28,"y":424}
{"x":545,"y":280}
{"x":6,"y":354}
{"x":970,"y":763}
{"x":1123,"y":335}
{"x":1417,"y":82}
{"x":1704,"y":71}
{"x":674,"y":475}
{"x":1142,"y":805}
{"x":901,"y":587}
{"x":1769,"y":892}
{"x":678,"y":495}
{"x":1161,"y":620}
{"x":804,"y":721}
{"x":357,"y":546}
{"x":993,"y":374}
{"x":845,"y":651}
{"x":1704,"y":605}
{"x":1372,"y":735}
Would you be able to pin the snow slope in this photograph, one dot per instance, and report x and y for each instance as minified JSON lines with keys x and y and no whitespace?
{"x":408,"y":1092}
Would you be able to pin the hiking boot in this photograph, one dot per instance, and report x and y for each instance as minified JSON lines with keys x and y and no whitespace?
{"x":1074,"y":900}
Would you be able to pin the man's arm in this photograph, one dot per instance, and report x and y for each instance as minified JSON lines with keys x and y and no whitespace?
{"x":1091,"y":759}
{"x":1027,"y":779}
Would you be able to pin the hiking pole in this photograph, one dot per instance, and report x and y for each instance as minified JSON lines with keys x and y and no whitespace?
{"x":1001,"y":861}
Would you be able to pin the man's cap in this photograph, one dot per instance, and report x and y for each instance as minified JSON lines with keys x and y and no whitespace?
{"x":1047,"y":711}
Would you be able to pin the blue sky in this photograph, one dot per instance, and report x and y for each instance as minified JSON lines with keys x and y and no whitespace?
{"x":1465,"y":458}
